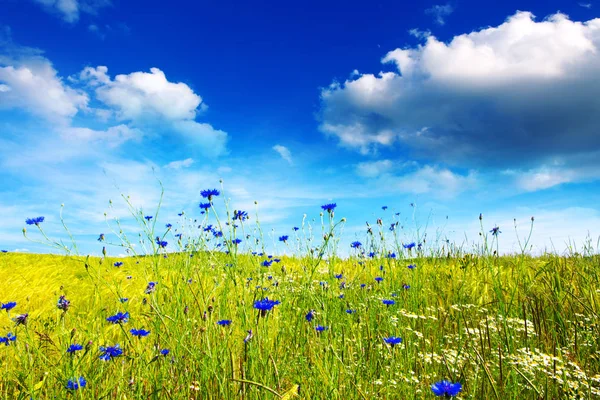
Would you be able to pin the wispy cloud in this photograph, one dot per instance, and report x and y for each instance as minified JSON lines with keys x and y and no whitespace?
{"x":284,"y":152}
{"x":440,"y":12}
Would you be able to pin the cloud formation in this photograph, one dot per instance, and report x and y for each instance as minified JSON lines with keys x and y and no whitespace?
{"x":284,"y":152}
{"x":440,"y":12}
{"x":69,"y":10}
{"x":519,"y":95}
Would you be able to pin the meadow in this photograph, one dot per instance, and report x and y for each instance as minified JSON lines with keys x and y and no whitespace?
{"x":199,"y":309}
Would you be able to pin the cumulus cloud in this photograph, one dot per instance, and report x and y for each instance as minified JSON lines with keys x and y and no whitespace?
{"x":371,"y":169}
{"x":284,"y":152}
{"x":33,"y":84}
{"x":69,"y":10}
{"x":516,"y":95}
{"x":440,"y":12}
{"x":149,"y":99}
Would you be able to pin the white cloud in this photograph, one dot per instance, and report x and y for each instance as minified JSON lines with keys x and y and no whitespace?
{"x":373,"y":169}
{"x":35,"y":86}
{"x":548,"y":176}
{"x":518,"y":94}
{"x":440,"y":12}
{"x":140,"y":95}
{"x":440,"y":182}
{"x":113,"y":136}
{"x":180,"y":164}
{"x":284,"y":152}
{"x":70,"y":10}
{"x":212,"y":141}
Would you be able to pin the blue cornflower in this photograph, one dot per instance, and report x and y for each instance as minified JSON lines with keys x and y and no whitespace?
{"x":123,"y":299}
{"x":339,"y":276}
{"x":21,"y":319}
{"x":178,"y":235}
{"x":63,"y":303}
{"x":168,"y":226}
{"x":151,"y":287}
{"x":296,"y":229}
{"x":283,"y":238}
{"x":205,"y":206}
{"x":356,"y":245}
{"x":320,"y":328}
{"x":495,"y":231}
{"x":8,"y":338}
{"x":341,"y":296}
{"x":34,"y":221}
{"x":391,"y":255}
{"x":265,"y":304}
{"x":217,"y":233}
{"x":388,"y":302}
{"x":4,"y":251}
{"x":236,"y":241}
{"x":446,"y":388}
{"x":350,"y":311}
{"x":74,"y":384}
{"x":405,"y":286}
{"x":372,"y":254}
{"x":267,"y":263}
{"x":384,"y":208}
{"x":311,"y":314}
{"x":409,"y":246}
{"x":139,"y":332}
{"x":248,"y":336}
{"x":276,"y":260}
{"x":411,"y":266}
{"x":101,"y":237}
{"x":378,"y":278}
{"x":148,"y":217}
{"x":161,"y":243}
{"x":165,"y":352}
{"x":363,"y":285}
{"x":329,"y":207}
{"x":118,"y":264}
{"x":8,"y":306}
{"x":181,"y":213}
{"x":392,"y":340}
{"x":209,"y":193}
{"x":74,"y":348}
{"x":224,"y":322}
{"x":393,"y":226}
{"x":118,"y":318}
{"x":110,"y":352}
{"x":240,"y":215}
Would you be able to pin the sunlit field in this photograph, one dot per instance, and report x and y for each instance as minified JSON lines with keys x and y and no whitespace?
{"x":199,"y":309}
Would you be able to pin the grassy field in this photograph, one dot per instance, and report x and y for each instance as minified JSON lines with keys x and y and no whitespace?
{"x":503,"y":327}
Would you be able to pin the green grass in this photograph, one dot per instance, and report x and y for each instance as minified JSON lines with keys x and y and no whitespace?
{"x":505,"y":327}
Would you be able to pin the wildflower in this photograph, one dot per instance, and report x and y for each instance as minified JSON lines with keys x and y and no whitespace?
{"x":236,"y":241}
{"x":350,"y":311}
{"x":405,"y":286}
{"x":372,"y":254}
{"x":320,"y":328}
{"x":296,"y":229}
{"x":34,"y":221}
{"x":63,"y":303}
{"x":393,"y":226}
{"x":224,"y":322}
{"x":101,"y":237}
{"x":341,"y":296}
{"x":151,"y":288}
{"x":267,"y":263}
{"x":409,"y":246}
{"x":378,"y":278}
{"x":205,"y":206}
{"x":391,"y":255}
{"x":8,"y":306}
{"x":248,"y":336}
{"x":118,"y":264}
{"x":355,"y":245}
{"x":181,"y":213}
{"x":411,"y":266}
{"x":118,"y":318}
{"x":74,"y":384}
{"x":8,"y":338}
{"x":74,"y":348}
{"x":110,"y":352}
{"x":139,"y":332}
{"x":329,"y":207}
{"x":363,"y":285}
{"x":283,"y":238}
{"x":343,"y":285}
{"x":21,"y":319}
{"x":217,"y":233}
{"x":339,"y":276}
{"x":446,"y":388}
{"x":311,"y":314}
{"x":276,"y":260}
{"x":165,"y":352}
{"x":392,"y":340}
{"x":388,"y":302}
{"x":129,"y":277}
{"x":384,"y":208}
{"x":265,"y":305}
{"x":148,"y":217}
{"x":209,"y":193}
{"x":495,"y":231}
{"x":161,"y":243}
{"x":240,"y":215}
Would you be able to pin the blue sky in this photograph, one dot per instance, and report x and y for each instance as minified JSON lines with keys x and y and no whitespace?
{"x":460,"y":108}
